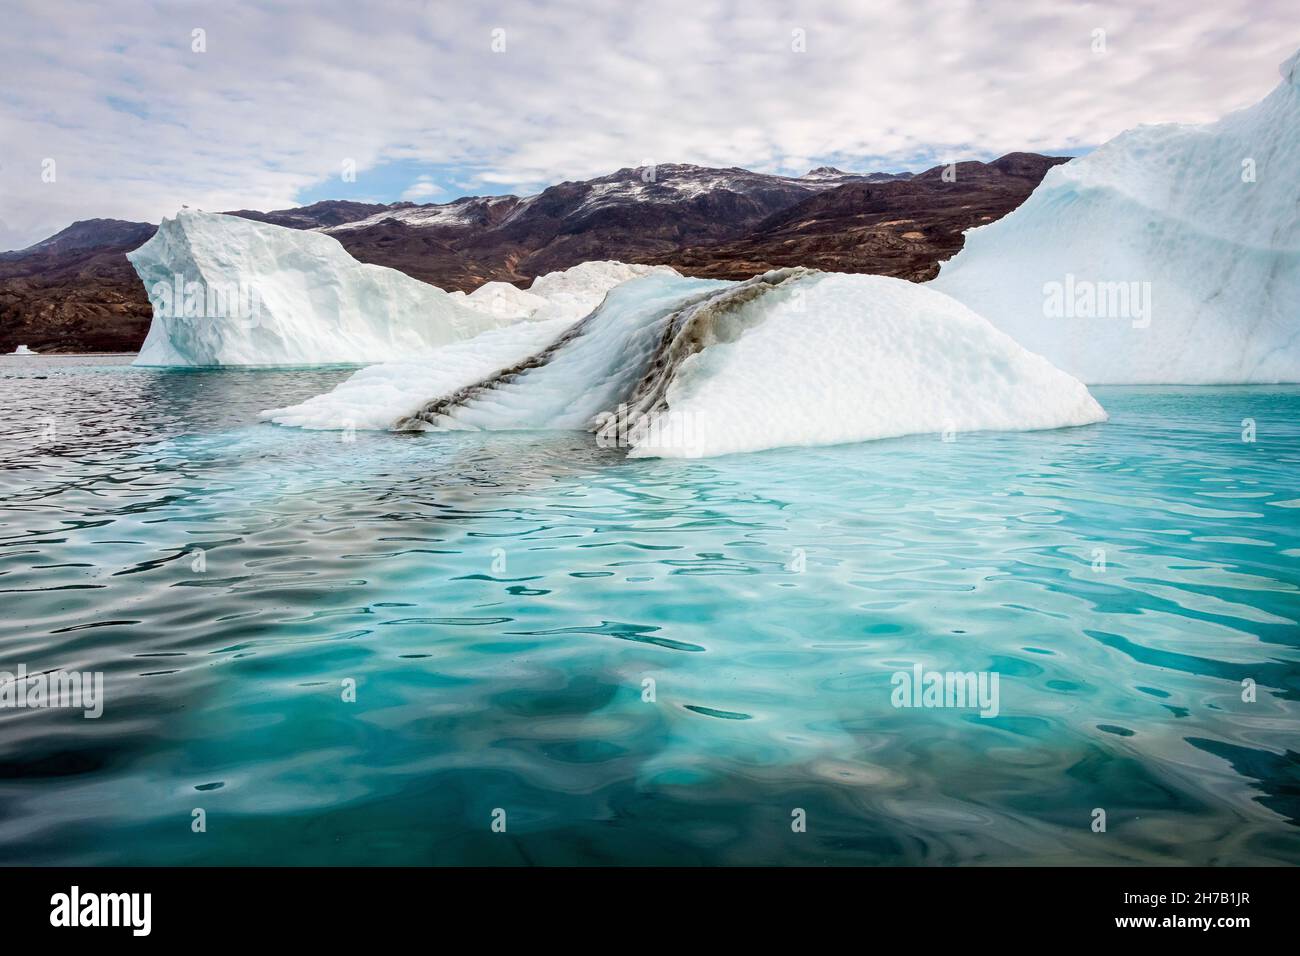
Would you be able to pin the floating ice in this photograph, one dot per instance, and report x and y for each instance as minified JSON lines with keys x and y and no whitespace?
{"x":677,"y":367}
{"x":230,"y":291}
{"x":1169,"y":255}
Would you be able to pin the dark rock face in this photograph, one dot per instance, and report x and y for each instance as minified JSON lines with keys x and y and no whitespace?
{"x":330,"y":212}
{"x":76,"y":291}
{"x":902,"y":228}
{"x":627,"y":215}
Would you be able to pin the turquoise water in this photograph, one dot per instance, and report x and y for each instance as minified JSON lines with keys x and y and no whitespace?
{"x":500,"y":601}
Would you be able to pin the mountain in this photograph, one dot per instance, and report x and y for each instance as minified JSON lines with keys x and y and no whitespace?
{"x":330,"y":212}
{"x":423,"y":240}
{"x":898,"y":227}
{"x":86,"y":236}
{"x":75,"y":291}
{"x":628,"y":215}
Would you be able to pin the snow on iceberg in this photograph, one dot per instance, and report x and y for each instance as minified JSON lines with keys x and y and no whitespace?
{"x":1170,"y":255}
{"x":503,"y":299}
{"x":577,"y":290}
{"x":678,"y":367}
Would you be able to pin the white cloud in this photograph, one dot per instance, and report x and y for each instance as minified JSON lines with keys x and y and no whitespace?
{"x":139,"y":123}
{"x":422,"y":190}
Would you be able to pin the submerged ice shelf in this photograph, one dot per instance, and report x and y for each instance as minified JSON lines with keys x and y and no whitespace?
{"x":678,"y":367}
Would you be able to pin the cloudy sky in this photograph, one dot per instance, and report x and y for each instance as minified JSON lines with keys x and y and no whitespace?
{"x":128,"y":109}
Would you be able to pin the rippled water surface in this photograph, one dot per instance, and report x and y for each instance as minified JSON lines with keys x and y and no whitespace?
{"x":502,"y":600}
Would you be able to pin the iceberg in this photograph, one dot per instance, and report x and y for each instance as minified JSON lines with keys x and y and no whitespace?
{"x":231,"y":291}
{"x":679,"y":367}
{"x":1170,"y":255}
{"x":228,"y":291}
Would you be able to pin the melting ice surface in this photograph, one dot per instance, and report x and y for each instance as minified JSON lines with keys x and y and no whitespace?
{"x":677,"y":367}
{"x":501,"y":598}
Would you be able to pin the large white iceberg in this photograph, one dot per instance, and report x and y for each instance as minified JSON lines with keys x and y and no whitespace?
{"x":230,"y":291}
{"x":677,"y":367}
{"x":1171,"y":254}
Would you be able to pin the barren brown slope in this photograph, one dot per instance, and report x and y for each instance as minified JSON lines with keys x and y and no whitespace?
{"x":76,"y":291}
{"x":627,"y":215}
{"x":903,"y":228}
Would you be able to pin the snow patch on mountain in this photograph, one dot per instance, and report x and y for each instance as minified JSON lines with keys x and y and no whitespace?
{"x":466,"y":211}
{"x":678,"y":182}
